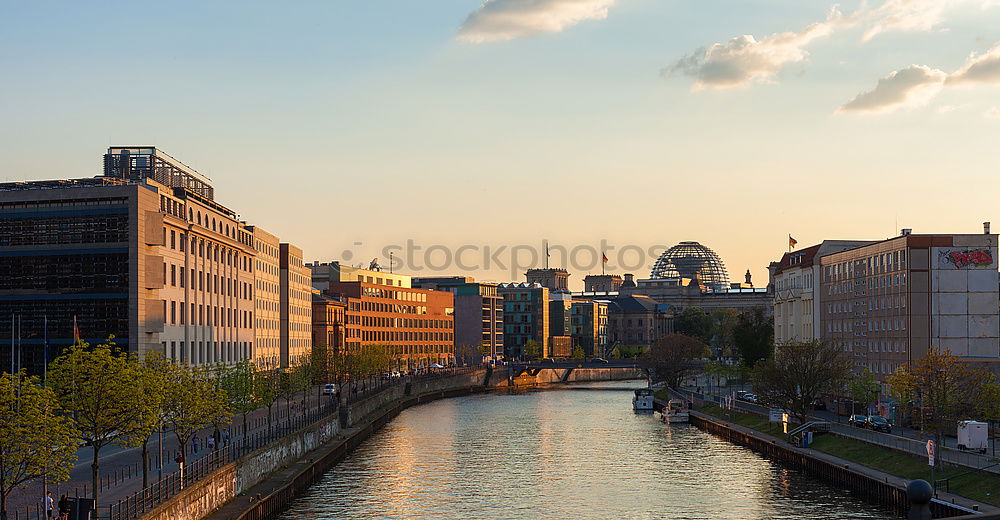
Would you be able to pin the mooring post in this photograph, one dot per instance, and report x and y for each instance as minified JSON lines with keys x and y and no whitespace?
{"x":919,"y":494}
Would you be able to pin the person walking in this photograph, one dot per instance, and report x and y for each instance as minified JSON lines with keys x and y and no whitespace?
{"x":211,"y":443}
{"x":195,"y":443}
{"x":47,"y":504}
{"x":64,"y":508}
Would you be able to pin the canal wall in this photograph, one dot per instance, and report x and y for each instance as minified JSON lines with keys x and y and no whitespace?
{"x":551,"y":376}
{"x":890,"y":494}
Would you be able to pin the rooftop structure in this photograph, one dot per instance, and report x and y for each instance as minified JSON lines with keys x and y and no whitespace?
{"x":694,"y":261}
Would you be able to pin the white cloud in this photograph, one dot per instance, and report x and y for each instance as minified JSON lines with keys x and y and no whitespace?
{"x":906,"y":88}
{"x":908,"y":15}
{"x":498,"y":20}
{"x":744,"y":60}
{"x":978,"y":69}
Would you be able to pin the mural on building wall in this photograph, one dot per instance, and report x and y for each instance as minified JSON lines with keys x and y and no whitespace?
{"x":969,"y":257}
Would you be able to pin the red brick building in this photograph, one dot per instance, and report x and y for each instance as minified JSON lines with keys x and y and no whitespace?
{"x":417,"y":324}
{"x":328,"y":319}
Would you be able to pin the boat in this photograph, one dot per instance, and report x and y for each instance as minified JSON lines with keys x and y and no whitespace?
{"x":643,"y":400}
{"x":676,"y":412}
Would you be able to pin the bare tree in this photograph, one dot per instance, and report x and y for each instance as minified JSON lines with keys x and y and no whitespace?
{"x":799,"y":373}
{"x":674,"y":358}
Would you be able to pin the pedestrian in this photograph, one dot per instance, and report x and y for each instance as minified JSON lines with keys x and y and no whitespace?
{"x":211,"y":443}
{"x":64,"y":508}
{"x":195,"y":443}
{"x":47,"y":504}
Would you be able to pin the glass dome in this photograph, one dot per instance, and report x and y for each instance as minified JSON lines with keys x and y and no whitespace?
{"x":687,"y":259}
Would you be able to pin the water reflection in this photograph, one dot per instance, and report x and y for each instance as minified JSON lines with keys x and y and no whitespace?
{"x":560,"y":454}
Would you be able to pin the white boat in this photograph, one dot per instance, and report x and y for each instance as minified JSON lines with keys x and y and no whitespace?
{"x":643,"y":400}
{"x":676,"y":412}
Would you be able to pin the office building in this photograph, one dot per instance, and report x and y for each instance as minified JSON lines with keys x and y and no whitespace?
{"x":887,"y":302}
{"x":589,"y":326}
{"x":328,"y":318}
{"x":526,"y":317}
{"x":295,"y":329}
{"x":479,"y":321}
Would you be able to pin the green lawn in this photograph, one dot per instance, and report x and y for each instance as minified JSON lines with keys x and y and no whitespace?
{"x":975,"y":486}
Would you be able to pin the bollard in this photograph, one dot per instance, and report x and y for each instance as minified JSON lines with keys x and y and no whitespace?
{"x":919,"y":494}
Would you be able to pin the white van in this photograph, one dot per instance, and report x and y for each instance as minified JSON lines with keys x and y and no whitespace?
{"x":329,"y":389}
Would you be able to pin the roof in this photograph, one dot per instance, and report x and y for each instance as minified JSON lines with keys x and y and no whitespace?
{"x":633,"y":304}
{"x":802,"y":257}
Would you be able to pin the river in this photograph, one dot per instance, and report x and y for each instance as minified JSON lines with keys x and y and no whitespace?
{"x":564,"y":454}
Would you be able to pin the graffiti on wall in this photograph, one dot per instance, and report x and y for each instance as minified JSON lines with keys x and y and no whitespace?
{"x":969,"y":257}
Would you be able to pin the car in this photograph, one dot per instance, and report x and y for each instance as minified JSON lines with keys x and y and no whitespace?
{"x":818,"y":404}
{"x":741,"y":394}
{"x":878,"y":423}
{"x":599,"y":360}
{"x":751,"y":398}
{"x":858,"y":420}
{"x":329,"y":389}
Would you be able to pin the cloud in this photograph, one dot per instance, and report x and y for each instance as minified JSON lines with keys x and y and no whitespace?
{"x":984,"y":68}
{"x":906,"y":88}
{"x":907,"y":15}
{"x":498,"y":20}
{"x":744,"y":60}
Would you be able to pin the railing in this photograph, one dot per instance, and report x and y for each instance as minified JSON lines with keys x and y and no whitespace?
{"x":137,"y":504}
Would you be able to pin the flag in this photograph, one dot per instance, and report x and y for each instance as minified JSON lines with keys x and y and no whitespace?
{"x":604,"y":258}
{"x":76,"y":332}
{"x":792,"y":241}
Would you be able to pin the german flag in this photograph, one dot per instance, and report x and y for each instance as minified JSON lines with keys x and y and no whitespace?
{"x":792,"y":242}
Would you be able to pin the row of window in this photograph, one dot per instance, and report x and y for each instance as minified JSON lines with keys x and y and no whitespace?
{"x":207,"y":282}
{"x":207,"y":250}
{"x":207,"y":352}
{"x":875,"y":264}
{"x":175,"y":313}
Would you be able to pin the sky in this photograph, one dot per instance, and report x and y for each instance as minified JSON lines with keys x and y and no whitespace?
{"x":476,"y":132}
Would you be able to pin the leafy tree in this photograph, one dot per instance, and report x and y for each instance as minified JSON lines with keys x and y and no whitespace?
{"x":532,"y":350}
{"x":193,"y":401}
{"x":864,"y":389}
{"x":723,"y":324}
{"x":694,"y":322}
{"x":753,"y":336}
{"x":237,"y":382}
{"x":37,"y":440}
{"x":152,"y":371}
{"x":266,"y":389}
{"x":941,"y":388}
{"x":674,"y":358}
{"x":578,"y":353}
{"x":98,"y":387}
{"x":798,"y":374}
{"x":468,"y":354}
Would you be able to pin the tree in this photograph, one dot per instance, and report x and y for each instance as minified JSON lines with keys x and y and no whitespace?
{"x":694,"y":322}
{"x":941,"y":388}
{"x":98,"y":387}
{"x":193,"y":401}
{"x":238,"y":384}
{"x":152,"y":371}
{"x":266,"y":388}
{"x":864,"y":389}
{"x":578,"y":353}
{"x":798,"y":374}
{"x":466,"y":353}
{"x":723,"y":324}
{"x":674,"y":358}
{"x":37,"y":440}
{"x":532,"y":350}
{"x":753,"y":336}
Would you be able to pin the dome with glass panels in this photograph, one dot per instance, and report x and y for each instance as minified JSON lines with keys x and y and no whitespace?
{"x":688,"y":259}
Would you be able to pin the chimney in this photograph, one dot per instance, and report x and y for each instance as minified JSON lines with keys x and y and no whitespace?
{"x":986,"y":228}
{"x":906,"y":232}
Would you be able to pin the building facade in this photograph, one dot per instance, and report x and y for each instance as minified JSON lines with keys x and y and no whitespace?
{"x":328,"y":318}
{"x":142,"y":253}
{"x":796,"y":302}
{"x":637,"y":321}
{"x":886,"y":303}
{"x":267,"y":299}
{"x":295,"y":329}
{"x":589,"y":326}
{"x":417,"y":325}
{"x":526,"y":317}
{"x":554,"y":279}
{"x":479,"y":317}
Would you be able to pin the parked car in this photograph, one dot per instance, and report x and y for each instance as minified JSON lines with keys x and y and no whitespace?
{"x":741,"y":394}
{"x":599,"y":360}
{"x":878,"y":423}
{"x":818,"y":404}
{"x":858,"y":420}
{"x":751,"y":398}
{"x":329,"y":389}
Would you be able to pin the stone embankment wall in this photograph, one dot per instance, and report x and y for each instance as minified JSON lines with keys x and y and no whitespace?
{"x":364,"y":417}
{"x":886,"y":494}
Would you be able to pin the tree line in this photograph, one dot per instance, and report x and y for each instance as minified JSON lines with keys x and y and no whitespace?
{"x":101,"y":396}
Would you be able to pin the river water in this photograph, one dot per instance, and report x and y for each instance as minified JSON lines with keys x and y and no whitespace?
{"x":565,"y":454}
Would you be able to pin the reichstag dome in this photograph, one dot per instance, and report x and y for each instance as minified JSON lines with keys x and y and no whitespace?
{"x":687,"y":259}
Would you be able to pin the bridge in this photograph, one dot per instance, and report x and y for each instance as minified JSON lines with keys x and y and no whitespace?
{"x":566,"y":367}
